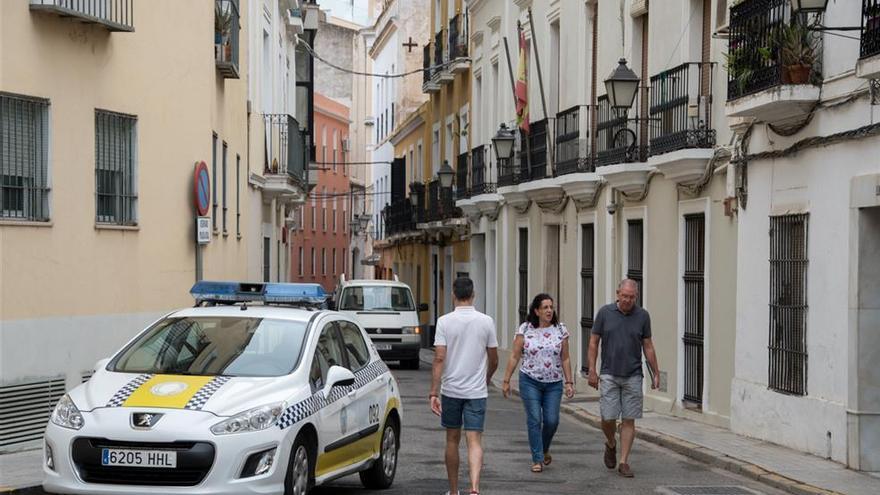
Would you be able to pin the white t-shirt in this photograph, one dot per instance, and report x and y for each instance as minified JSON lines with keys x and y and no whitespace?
{"x":467,"y":334}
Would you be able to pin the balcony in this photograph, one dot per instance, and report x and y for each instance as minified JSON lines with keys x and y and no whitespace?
{"x":113,"y":15}
{"x":429,"y":85}
{"x":458,"y":44}
{"x":483,"y":190}
{"x":226,"y":34}
{"x":575,"y":167}
{"x":620,"y":157}
{"x":400,"y":219}
{"x":462,"y":188}
{"x":442,"y":74}
{"x":868,"y":66}
{"x":682,"y":137}
{"x":285,"y":175}
{"x":774,"y":68}
{"x":441,"y":205}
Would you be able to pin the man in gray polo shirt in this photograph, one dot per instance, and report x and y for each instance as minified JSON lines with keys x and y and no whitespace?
{"x":624,"y":331}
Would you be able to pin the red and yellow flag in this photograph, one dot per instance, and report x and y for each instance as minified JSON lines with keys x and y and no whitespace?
{"x":522,"y":84}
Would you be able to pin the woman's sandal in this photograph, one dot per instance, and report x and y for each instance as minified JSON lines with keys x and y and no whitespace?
{"x":537,"y":467}
{"x":547,"y":458}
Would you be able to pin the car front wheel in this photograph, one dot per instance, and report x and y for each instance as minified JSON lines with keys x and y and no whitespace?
{"x":381,"y":473}
{"x":299,"y":469}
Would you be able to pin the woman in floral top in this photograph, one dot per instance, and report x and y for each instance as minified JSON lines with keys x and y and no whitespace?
{"x":542,"y":344}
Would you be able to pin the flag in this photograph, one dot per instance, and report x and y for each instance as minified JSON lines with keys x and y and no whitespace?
{"x":522,"y":83}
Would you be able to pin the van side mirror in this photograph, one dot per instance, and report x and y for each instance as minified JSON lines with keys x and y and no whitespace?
{"x":423,"y":307}
{"x":331,"y":304}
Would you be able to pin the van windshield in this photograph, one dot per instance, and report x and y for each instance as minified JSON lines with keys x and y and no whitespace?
{"x":376,"y":298}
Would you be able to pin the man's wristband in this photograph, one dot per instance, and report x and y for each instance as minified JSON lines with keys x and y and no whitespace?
{"x":431,"y":396}
{"x":569,"y":383}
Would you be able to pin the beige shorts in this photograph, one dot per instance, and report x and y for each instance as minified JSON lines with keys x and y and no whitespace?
{"x":620,"y":397}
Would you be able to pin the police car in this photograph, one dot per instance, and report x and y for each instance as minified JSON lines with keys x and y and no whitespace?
{"x":254,"y":390}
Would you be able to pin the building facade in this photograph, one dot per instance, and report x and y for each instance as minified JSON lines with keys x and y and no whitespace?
{"x":320,"y":236}
{"x":98,"y":227}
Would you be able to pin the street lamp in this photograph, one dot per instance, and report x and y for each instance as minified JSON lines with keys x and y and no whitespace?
{"x":806,"y":6}
{"x":503,"y":142}
{"x":621,"y":86}
{"x":413,"y":199}
{"x":446,"y":175}
{"x":364,"y":221}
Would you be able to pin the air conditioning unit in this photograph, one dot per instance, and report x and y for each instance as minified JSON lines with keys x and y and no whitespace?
{"x":346,"y":145}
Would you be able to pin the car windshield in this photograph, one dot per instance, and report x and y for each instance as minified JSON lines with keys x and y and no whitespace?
{"x":376,"y":298}
{"x":229,"y":346}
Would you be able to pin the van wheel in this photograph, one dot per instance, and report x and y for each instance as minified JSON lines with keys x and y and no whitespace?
{"x":381,"y":474}
{"x":410,"y":364}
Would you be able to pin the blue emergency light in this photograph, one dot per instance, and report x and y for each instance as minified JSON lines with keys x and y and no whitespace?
{"x":269,"y":293}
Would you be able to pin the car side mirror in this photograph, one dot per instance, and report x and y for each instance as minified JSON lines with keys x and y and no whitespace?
{"x":423,"y":307}
{"x":337,"y":376}
{"x":101,"y":364}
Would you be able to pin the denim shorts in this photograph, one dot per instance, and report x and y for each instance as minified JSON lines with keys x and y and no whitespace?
{"x":469,"y":413}
{"x":620,"y":397}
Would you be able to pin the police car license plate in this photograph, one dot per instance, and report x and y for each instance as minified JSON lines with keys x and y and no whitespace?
{"x":139,"y":458}
{"x":383,"y":347}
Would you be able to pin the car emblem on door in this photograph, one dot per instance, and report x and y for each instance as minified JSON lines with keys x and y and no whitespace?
{"x":144,"y":421}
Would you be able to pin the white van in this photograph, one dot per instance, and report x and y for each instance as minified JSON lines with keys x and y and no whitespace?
{"x":388,"y":312}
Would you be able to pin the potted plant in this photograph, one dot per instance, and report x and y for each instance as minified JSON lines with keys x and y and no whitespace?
{"x":797,"y":53}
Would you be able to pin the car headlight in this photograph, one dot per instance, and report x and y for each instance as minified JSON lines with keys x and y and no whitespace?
{"x":67,"y":415}
{"x":258,"y":418}
{"x":411,"y":330}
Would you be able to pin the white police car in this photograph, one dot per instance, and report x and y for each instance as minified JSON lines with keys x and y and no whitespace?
{"x":231,"y":397}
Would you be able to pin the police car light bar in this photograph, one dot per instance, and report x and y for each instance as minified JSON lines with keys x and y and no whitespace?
{"x":275,"y":293}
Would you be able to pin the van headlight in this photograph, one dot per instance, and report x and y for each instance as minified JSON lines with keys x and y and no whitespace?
{"x":67,"y":415}
{"x":411,"y":331}
{"x":256,"y":419}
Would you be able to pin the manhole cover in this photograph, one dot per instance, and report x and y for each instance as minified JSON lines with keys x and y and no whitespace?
{"x":706,"y":490}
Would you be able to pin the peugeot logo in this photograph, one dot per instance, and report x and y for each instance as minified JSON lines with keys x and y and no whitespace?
{"x":378,"y":330}
{"x":144,"y":421}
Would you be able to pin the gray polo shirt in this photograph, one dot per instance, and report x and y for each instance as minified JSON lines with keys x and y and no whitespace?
{"x":622,"y":336}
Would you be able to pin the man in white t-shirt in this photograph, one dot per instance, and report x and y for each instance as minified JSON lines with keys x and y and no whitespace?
{"x":465,"y":358}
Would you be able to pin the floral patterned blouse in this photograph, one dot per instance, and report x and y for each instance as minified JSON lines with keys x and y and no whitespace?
{"x":542,"y":352}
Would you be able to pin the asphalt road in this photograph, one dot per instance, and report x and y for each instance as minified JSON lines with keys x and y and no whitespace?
{"x":577,"y":466}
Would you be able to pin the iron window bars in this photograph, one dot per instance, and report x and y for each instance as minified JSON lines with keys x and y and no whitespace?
{"x":694,"y":290}
{"x":523,"y":271}
{"x":635,"y":250}
{"x":24,"y":151}
{"x":115,"y":168}
{"x":587,"y":290}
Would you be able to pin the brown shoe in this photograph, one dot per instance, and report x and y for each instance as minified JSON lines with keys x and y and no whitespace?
{"x":624,"y":470}
{"x":610,"y":456}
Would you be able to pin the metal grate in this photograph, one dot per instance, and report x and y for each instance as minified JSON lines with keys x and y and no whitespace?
{"x":634,"y":254}
{"x":788,"y":304}
{"x":694,"y":266}
{"x":24,"y":151}
{"x":523,"y":274}
{"x":115,"y":154}
{"x":25,"y":409}
{"x":706,"y":490}
{"x":870,"y":44}
{"x":587,"y":288}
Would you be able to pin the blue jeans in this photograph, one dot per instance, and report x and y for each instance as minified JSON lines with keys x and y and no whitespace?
{"x":541,"y":401}
{"x":455,"y":413}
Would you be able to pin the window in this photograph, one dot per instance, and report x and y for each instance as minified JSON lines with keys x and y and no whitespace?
{"x":587,"y":290}
{"x":314,"y":208}
{"x":334,"y":210}
{"x":328,"y":353}
{"x":355,"y":345}
{"x":115,"y":184}
{"x":213,"y":181}
{"x":634,"y":254}
{"x":333,"y":262}
{"x":788,"y":304}
{"x":24,"y":151}
{"x":344,"y":257}
{"x":300,"y":262}
{"x":302,"y":217}
{"x":225,"y":208}
{"x":313,"y":261}
{"x":721,"y":13}
{"x":335,"y":142}
{"x":377,"y":298}
{"x":323,"y":261}
{"x":324,"y":145}
{"x":523,"y":274}
{"x":694,"y":261}
{"x":238,"y":197}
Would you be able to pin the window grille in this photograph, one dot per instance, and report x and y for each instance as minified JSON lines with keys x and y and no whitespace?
{"x":24,"y":151}
{"x":587,"y":289}
{"x":788,"y":304}
{"x":694,"y":273}
{"x":225,"y":204}
{"x":214,"y":182}
{"x":115,"y":184}
{"x":634,"y":254}
{"x":238,"y":197}
{"x":523,"y":274}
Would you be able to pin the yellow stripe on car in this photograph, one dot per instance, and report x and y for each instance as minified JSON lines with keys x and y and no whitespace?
{"x":166,"y":391}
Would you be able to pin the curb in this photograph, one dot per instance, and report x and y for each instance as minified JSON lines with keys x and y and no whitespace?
{"x":21,"y":491}
{"x":703,"y":454}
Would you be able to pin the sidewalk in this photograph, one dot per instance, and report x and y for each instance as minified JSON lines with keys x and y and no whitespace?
{"x":20,"y":471}
{"x":779,"y":467}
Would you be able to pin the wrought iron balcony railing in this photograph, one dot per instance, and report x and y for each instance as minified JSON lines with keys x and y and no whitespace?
{"x":569,"y":157}
{"x":538,"y":149}
{"x":438,"y":49}
{"x":462,"y":187}
{"x":226,"y":33}
{"x":286,"y":147}
{"x":870,"y":44}
{"x":479,"y":172}
{"x":613,"y":145}
{"x":458,"y":36}
{"x":115,"y":15}
{"x":681,"y":108}
{"x":441,"y":204}
{"x":427,"y":72}
{"x":400,"y":217}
